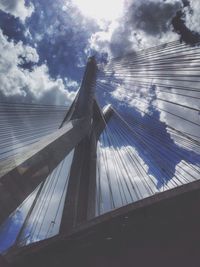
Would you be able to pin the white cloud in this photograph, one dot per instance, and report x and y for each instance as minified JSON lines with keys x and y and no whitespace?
{"x":17,"y":8}
{"x":119,"y":182}
{"x":100,"y":10}
{"x":116,"y":163}
{"x":192,"y":17}
{"x":100,"y":41}
{"x":71,"y":83}
{"x":143,"y":24}
{"x":133,"y":87}
{"x":184,"y":173}
{"x":186,"y":97}
{"x":33,"y":85}
{"x":178,"y":123}
{"x":134,"y":96}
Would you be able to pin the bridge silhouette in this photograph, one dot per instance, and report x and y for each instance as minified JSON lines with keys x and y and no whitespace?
{"x":112,"y":180}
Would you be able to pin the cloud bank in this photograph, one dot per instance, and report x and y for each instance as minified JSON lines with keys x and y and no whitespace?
{"x":144,"y":24}
{"x":17,"y":8}
{"x":28,"y":84}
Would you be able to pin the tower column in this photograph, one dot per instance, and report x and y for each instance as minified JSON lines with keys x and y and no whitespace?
{"x":80,"y":199}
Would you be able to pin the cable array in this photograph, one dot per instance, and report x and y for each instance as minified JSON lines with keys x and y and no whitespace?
{"x":170,"y":66}
{"x":24,"y":124}
{"x":150,"y":144}
{"x":44,"y":217}
{"x":164,"y":78}
{"x":155,"y":93}
{"x":135,"y":161}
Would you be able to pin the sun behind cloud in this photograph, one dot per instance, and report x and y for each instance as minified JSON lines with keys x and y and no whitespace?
{"x":108,"y":10}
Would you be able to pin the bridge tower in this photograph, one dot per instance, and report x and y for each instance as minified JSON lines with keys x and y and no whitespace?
{"x":80,"y":130}
{"x":81,"y":192}
{"x":159,"y":230}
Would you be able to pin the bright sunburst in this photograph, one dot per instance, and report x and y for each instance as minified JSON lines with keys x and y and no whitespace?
{"x":108,"y":10}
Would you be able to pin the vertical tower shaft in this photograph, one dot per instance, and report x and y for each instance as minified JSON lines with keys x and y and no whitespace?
{"x":76,"y":202}
{"x":81,"y":192}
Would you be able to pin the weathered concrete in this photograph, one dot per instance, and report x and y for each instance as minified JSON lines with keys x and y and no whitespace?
{"x":21,"y":175}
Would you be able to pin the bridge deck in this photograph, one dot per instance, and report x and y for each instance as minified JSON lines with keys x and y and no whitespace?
{"x":162,"y":230}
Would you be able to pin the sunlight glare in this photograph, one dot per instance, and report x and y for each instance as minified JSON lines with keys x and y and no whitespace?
{"x":108,"y":10}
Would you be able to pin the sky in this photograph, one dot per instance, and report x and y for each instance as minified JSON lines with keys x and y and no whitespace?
{"x":45,"y":46}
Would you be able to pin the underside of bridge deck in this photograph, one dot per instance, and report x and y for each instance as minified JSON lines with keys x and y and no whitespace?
{"x":162,"y":230}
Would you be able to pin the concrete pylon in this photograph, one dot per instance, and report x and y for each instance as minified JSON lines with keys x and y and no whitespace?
{"x":20,"y":175}
{"x":80,"y":131}
{"x":81,"y":192}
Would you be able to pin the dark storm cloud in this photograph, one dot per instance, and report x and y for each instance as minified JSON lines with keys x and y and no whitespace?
{"x":186,"y":35}
{"x":148,"y":20}
{"x":154,"y":18}
{"x":119,"y":45}
{"x":143,"y":19}
{"x":186,"y":3}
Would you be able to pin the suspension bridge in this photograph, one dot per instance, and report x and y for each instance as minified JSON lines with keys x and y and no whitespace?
{"x":113,"y":179}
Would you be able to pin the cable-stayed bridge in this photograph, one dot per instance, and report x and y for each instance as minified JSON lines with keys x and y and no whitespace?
{"x":114,"y":178}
